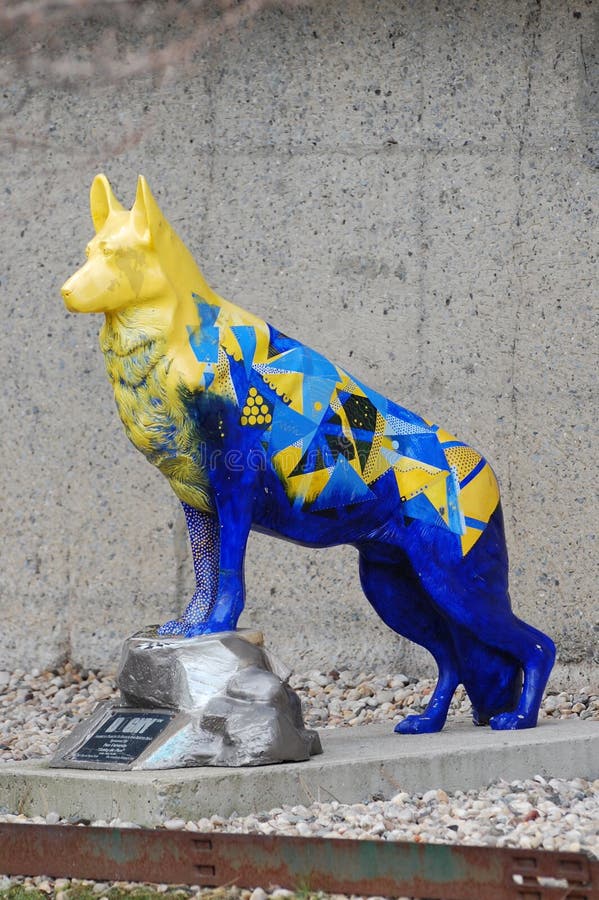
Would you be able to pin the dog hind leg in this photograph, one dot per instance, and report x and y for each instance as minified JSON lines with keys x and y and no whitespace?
{"x":500,"y":687}
{"x":472,"y":592}
{"x":400,"y":601}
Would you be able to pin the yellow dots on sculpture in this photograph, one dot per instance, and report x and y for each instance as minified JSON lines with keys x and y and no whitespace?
{"x":462,"y":459}
{"x":256,"y":409}
{"x":254,"y":398}
{"x":317,"y":405}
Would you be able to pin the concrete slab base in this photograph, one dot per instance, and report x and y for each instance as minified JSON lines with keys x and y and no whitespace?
{"x":357,"y":763}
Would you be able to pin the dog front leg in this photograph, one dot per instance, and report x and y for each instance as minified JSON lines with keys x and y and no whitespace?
{"x":204,"y":537}
{"x":235,"y":519}
{"x":218,"y":545}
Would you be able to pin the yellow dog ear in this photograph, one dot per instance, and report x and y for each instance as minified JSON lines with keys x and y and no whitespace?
{"x":102,"y":201}
{"x":147,"y":216}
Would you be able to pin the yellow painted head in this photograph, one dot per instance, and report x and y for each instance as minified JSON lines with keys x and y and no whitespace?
{"x":134,"y":257}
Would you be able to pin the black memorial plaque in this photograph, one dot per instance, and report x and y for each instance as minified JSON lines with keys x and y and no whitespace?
{"x":122,"y":737}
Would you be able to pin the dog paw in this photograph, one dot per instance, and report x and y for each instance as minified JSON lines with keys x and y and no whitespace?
{"x":510,"y":721}
{"x":418,"y":725}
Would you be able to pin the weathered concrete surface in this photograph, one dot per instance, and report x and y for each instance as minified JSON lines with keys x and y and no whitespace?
{"x":356,"y":764}
{"x":412,"y":189}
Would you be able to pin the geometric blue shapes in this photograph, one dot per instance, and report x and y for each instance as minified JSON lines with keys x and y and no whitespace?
{"x":306,"y":362}
{"x":208,"y":312}
{"x":396,"y":426}
{"x":475,"y":523}
{"x":239,"y":378}
{"x":316,"y":397}
{"x":454,"y":511}
{"x":343,"y":488}
{"x":204,"y":339}
{"x":424,"y":447}
{"x":420,"y":507}
{"x":288,"y":427}
{"x":246,"y":338}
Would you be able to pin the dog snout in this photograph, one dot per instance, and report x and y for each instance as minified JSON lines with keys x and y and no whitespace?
{"x":67,"y":294}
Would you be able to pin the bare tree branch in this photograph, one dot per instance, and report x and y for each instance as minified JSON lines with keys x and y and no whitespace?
{"x":70,"y":41}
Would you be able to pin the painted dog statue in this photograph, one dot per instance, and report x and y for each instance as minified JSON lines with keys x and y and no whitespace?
{"x":255,"y":430}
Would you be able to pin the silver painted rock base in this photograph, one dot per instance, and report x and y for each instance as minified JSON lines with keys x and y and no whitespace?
{"x":214,"y":700}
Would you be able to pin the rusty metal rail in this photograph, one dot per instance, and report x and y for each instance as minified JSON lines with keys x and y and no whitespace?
{"x":382,"y":868}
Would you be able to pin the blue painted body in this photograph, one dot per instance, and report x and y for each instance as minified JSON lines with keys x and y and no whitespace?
{"x":412,"y":567}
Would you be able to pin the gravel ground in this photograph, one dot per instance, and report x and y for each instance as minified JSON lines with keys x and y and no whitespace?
{"x":37,"y":709}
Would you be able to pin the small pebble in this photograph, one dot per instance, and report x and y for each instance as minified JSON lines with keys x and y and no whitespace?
{"x":175,"y":824}
{"x":258,"y":894}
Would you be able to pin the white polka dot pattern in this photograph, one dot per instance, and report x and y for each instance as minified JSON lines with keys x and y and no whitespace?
{"x":204,"y":538}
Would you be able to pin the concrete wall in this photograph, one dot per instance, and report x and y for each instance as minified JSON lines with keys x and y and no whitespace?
{"x":410,"y":188}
